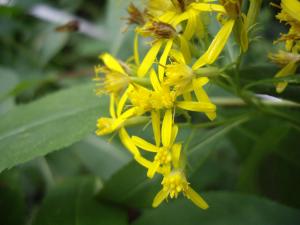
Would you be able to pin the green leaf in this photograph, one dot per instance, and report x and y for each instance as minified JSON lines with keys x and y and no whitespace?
{"x":101,"y":157}
{"x":263,"y":147}
{"x":51,"y":123}
{"x":131,"y":187}
{"x":199,"y":153}
{"x":225,"y":208}
{"x":72,"y":202}
{"x":12,"y":201}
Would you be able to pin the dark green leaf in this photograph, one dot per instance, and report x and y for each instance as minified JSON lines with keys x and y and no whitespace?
{"x":72,"y":202}
{"x":225,"y":208}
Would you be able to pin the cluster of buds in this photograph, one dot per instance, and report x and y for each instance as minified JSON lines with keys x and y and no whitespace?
{"x":166,"y":83}
{"x":290,"y":58}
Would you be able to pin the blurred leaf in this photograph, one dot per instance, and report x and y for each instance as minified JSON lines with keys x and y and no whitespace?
{"x":225,"y":208}
{"x":266,"y":144}
{"x":48,"y":43}
{"x":12,"y":202}
{"x":101,"y":157}
{"x":51,"y":123}
{"x":131,"y":187}
{"x":8,"y":80}
{"x":199,"y":153}
{"x":72,"y":202}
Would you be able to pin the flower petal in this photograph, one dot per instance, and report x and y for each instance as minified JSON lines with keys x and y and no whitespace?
{"x":176,"y":150}
{"x":155,"y":116}
{"x":127,"y":142}
{"x":197,"y":106}
{"x":149,"y":59}
{"x":289,"y":69}
{"x":158,"y":199}
{"x":112,"y":106}
{"x":196,"y":198}
{"x":111,"y":63}
{"x":154,"y":81}
{"x":144,"y":144}
{"x":163,"y":59}
{"x":166,"y":130}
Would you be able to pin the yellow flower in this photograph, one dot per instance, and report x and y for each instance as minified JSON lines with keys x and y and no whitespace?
{"x":173,"y":184}
{"x":164,"y":153}
{"x":115,"y":78}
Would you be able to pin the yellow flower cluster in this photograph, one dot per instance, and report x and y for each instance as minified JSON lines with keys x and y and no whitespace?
{"x":167,"y":82}
{"x":290,"y":58}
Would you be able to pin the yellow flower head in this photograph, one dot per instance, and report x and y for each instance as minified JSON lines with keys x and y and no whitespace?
{"x":178,"y":75}
{"x":115,"y":78}
{"x":135,"y":15}
{"x":175,"y":183}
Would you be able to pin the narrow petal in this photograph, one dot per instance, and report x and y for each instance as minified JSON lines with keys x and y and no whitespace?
{"x":216,"y":46}
{"x":147,"y":164}
{"x":166,"y":130}
{"x":155,"y":116}
{"x":174,"y":134}
{"x":185,"y":48}
{"x":141,"y":143}
{"x":154,"y":81}
{"x":127,"y":142}
{"x":122,"y":102}
{"x":207,"y":7}
{"x":202,"y":97}
{"x":111,"y":63}
{"x":149,"y":59}
{"x":190,"y":26}
{"x":187,"y":96}
{"x":177,"y":56}
{"x":289,"y":69}
{"x":112,"y":106}
{"x":176,"y":150}
{"x":128,"y":113}
{"x":152,"y":169}
{"x":158,"y":199}
{"x":163,"y":59}
{"x":197,"y":106}
{"x":196,"y":198}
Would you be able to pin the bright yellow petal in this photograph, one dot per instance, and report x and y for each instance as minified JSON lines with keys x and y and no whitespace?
{"x":289,"y":69}
{"x":155,"y":116}
{"x":176,"y":150}
{"x":112,"y":106}
{"x":216,"y":46}
{"x":174,"y":134}
{"x":158,"y":199}
{"x":152,"y":169}
{"x":187,"y":96}
{"x":206,"y":7}
{"x":185,"y":48}
{"x":111,"y":63}
{"x":147,"y":164}
{"x":196,"y":198}
{"x":163,"y":59}
{"x":128,"y":113}
{"x":202,"y":97}
{"x":122,"y":102}
{"x":190,"y":26}
{"x":177,"y":56}
{"x":127,"y":142}
{"x":136,"y":49}
{"x":292,"y":7}
{"x":166,"y":130}
{"x":154,"y":81}
{"x":197,"y":106}
{"x":149,"y":59}
{"x":141,"y":143}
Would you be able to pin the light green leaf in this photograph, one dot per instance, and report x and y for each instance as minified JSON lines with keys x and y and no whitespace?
{"x":225,"y":209}
{"x":51,"y":123}
{"x":72,"y":202}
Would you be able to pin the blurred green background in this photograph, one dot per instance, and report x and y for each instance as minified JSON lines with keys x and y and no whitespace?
{"x":247,"y":164}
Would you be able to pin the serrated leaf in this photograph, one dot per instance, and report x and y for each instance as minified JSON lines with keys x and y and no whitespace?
{"x":225,"y":208}
{"x":72,"y":202}
{"x":51,"y":123}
